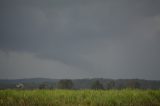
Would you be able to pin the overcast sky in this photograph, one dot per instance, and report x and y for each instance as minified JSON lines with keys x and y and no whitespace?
{"x":80,"y":39}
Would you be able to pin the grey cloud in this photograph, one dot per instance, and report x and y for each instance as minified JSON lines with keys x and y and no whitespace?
{"x":68,"y":31}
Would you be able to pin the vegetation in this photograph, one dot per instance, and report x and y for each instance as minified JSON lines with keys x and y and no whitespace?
{"x":125,"y":97}
{"x":111,"y":85}
{"x":65,"y":84}
{"x":97,"y":85}
{"x":133,"y":84}
{"x":42,"y":83}
{"x":43,"y":86}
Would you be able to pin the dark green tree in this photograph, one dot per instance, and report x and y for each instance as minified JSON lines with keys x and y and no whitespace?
{"x":97,"y":85}
{"x":111,"y":84}
{"x":43,"y":86}
{"x":133,"y":84}
{"x":65,"y":84}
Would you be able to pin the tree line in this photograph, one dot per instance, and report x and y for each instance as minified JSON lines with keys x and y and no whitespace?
{"x":95,"y":83}
{"x":68,"y":84}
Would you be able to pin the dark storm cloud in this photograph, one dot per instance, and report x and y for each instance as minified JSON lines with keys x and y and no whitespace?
{"x":107,"y":35}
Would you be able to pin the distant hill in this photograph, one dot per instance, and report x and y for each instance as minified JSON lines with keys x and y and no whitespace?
{"x":34,"y":83}
{"x":36,"y":80}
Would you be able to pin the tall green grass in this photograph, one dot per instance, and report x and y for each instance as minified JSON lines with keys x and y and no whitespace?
{"x":126,"y":97}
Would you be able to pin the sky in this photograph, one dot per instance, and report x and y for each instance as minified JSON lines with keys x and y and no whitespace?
{"x":118,"y":39}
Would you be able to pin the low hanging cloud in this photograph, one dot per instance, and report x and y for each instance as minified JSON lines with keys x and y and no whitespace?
{"x":111,"y":39}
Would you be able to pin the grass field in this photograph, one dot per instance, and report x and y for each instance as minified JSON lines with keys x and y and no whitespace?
{"x":126,"y":97}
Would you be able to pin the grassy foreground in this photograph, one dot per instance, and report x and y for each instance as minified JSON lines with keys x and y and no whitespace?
{"x":126,"y":97}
